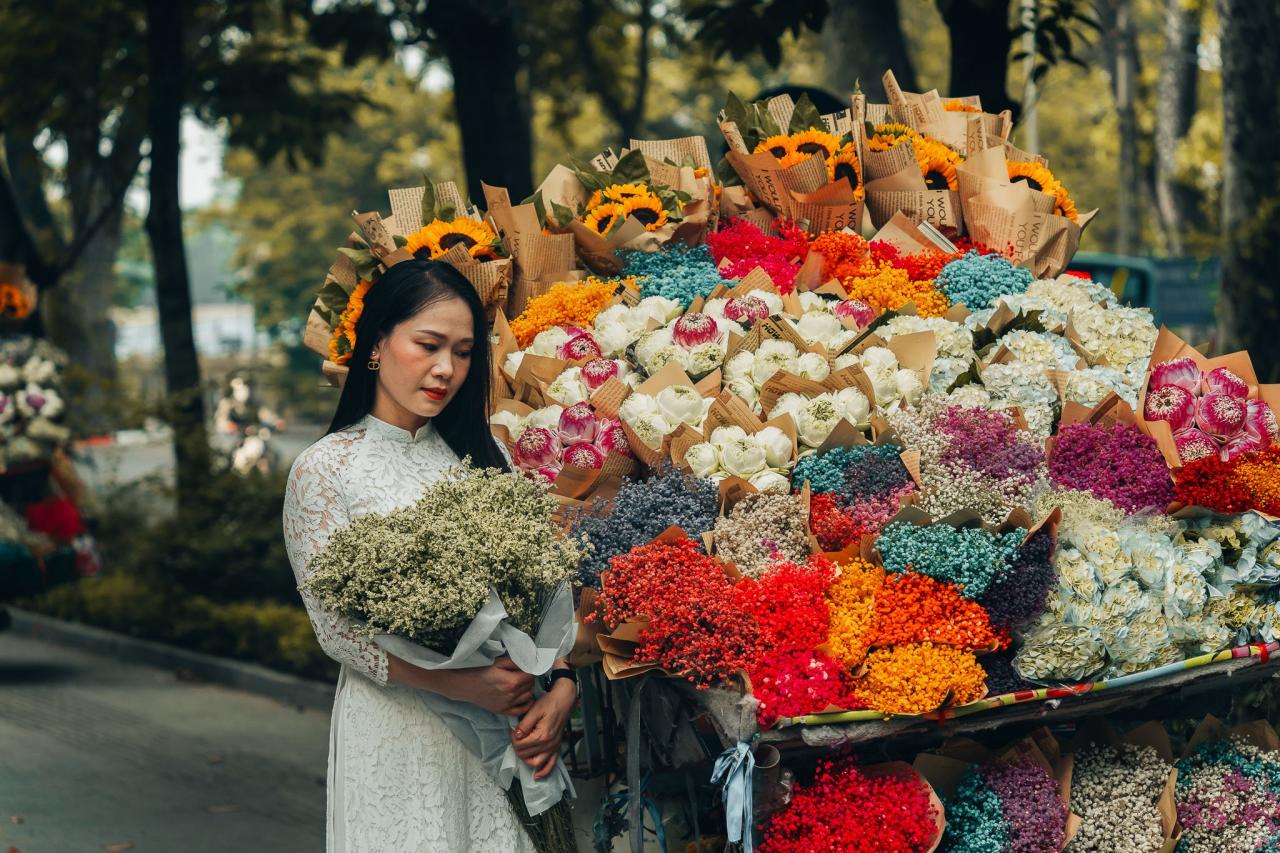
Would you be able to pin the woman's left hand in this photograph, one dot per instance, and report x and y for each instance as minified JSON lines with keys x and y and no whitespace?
{"x":537,"y":736}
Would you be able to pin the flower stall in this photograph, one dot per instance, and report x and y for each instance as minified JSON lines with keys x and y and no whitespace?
{"x":858,"y":464}
{"x":43,"y":538}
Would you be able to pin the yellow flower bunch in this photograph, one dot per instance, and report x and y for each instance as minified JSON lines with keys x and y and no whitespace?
{"x":14,"y":303}
{"x":937,"y":160}
{"x":842,"y":160}
{"x":885,"y":288}
{"x":919,"y":678}
{"x":342,"y":342}
{"x":437,"y":237}
{"x":606,"y":208}
{"x":851,"y":602}
{"x":955,"y":105}
{"x":569,"y":303}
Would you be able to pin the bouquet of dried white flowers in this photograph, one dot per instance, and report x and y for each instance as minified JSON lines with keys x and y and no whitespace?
{"x":475,"y":569}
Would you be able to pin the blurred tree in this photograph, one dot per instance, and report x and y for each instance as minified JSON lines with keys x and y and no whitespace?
{"x":1175,"y":109}
{"x":1123,"y":65}
{"x":1249,"y":307}
{"x":980,"y":34}
{"x":861,"y":41}
{"x":68,"y":126}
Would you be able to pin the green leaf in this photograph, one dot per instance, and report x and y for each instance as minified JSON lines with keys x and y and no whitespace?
{"x":806,"y":116}
{"x":868,"y":129}
{"x":631,"y":169}
{"x":725,"y":172}
{"x":365,"y":263}
{"x":539,"y":207}
{"x":400,"y":241}
{"x":562,"y":215}
{"x":591,"y":177}
{"x":735,"y":110}
{"x":428,"y":200}
{"x":447,"y":213}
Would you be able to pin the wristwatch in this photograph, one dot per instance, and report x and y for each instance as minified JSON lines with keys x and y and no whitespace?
{"x":563,"y":672}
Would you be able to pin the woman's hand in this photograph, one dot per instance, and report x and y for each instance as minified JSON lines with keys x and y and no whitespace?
{"x":500,"y":687}
{"x":538,"y":735}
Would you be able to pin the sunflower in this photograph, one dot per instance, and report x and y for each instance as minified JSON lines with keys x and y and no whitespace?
{"x":604,"y":218}
{"x":929,"y":149}
{"x":617,"y":192}
{"x":648,"y":210}
{"x":1064,"y":206}
{"x":342,"y":342}
{"x":955,"y":105}
{"x":939,"y":173}
{"x":888,"y":135}
{"x":793,"y":158}
{"x":1035,"y":175}
{"x":778,"y":146}
{"x":438,"y":237}
{"x":844,"y":164}
{"x":815,"y":142}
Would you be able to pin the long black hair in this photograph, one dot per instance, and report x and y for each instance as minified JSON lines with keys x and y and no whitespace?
{"x":401,"y":292}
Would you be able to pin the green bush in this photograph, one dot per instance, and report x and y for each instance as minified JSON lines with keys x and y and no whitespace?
{"x":213,"y":577}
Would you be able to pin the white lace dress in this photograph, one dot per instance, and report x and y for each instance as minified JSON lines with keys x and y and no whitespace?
{"x":399,"y":781}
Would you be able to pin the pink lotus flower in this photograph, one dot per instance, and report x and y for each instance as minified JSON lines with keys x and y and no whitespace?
{"x":1171,"y":403}
{"x":1182,"y":372}
{"x":611,"y":439}
{"x":536,"y":447}
{"x":1260,"y":422}
{"x":584,"y":456}
{"x":693,"y":329}
{"x":746,"y":309}
{"x":547,"y":473}
{"x":598,"y":371}
{"x":1224,"y":381}
{"x":1243,"y":443}
{"x":1219,"y":415}
{"x":579,"y":347}
{"x":1193,"y":444}
{"x":577,"y":425}
{"x":855,"y":310}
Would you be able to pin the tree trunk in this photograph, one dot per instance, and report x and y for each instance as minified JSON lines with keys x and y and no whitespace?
{"x":1249,"y":305}
{"x":1122,"y":62}
{"x":1175,"y":108}
{"x":627,"y":114}
{"x":164,"y":228}
{"x":980,"y":40}
{"x":861,"y":41}
{"x":489,"y":98}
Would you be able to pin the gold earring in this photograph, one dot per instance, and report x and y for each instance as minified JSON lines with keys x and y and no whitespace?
{"x":374,"y":364}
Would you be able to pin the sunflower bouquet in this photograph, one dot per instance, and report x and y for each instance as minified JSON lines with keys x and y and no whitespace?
{"x":627,"y":202}
{"x":799,"y":164}
{"x":1012,"y":200}
{"x":425,"y":223}
{"x":914,"y":173}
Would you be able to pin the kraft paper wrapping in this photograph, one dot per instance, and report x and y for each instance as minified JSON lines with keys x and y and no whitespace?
{"x":1015,"y":219}
{"x":906,"y":192}
{"x":800,"y":192}
{"x":1169,"y":346}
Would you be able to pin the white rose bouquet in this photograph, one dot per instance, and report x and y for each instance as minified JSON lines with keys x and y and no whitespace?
{"x":652,"y":417}
{"x":764,"y":458}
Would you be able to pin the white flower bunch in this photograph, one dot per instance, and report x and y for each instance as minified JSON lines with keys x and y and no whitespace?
{"x":1123,"y":336}
{"x":1040,"y":350}
{"x":697,"y":342}
{"x":893,"y":383}
{"x":954,"y":340}
{"x":1027,"y":387}
{"x":820,"y":326}
{"x":618,"y":326}
{"x":762,"y":458}
{"x":1090,"y":386}
{"x":652,"y":418}
{"x":548,"y":417}
{"x":816,"y":417}
{"x":747,"y":372}
{"x":577,"y":384}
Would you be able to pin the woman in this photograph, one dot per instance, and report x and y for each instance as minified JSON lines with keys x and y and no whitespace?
{"x":413,"y":405}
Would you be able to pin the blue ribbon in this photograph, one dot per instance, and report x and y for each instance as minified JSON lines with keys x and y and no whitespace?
{"x":734,"y":769}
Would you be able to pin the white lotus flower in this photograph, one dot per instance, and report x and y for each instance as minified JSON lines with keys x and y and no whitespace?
{"x":705,"y":358}
{"x":721,"y":436}
{"x":512,"y":362}
{"x":681,"y":404}
{"x":649,"y":343}
{"x":513,"y":422}
{"x":739,"y":367}
{"x":818,"y":326}
{"x":548,"y":342}
{"x":810,"y":301}
{"x":743,"y":457}
{"x":613,"y":338}
{"x":810,"y":365}
{"x":817,"y":419}
{"x":910,"y":388}
{"x":636,"y":405}
{"x":569,"y":387}
{"x":659,"y":308}
{"x":771,"y":482}
{"x":853,"y":405}
{"x":789,"y":404}
{"x":703,"y":458}
{"x":772,"y":348}
{"x":879,"y":359}
{"x":777,"y":446}
{"x":849,"y":359}
{"x":651,"y":428}
{"x":745,"y":389}
{"x":547,"y":418}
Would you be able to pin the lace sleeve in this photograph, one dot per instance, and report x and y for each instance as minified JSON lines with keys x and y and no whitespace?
{"x":313,"y":509}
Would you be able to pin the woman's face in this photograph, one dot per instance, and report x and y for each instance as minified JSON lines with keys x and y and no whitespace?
{"x":423,"y":363}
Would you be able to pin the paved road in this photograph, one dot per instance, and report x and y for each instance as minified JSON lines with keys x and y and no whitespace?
{"x":96,"y":755}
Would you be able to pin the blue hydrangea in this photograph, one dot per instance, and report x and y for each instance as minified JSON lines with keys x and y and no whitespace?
{"x":979,"y":280}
